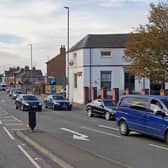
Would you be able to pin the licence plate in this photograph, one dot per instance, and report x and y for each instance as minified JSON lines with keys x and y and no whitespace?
{"x":34,"y":106}
{"x":64,"y":106}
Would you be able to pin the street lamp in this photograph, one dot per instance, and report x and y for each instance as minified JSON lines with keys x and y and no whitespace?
{"x":31,"y":66}
{"x":67,"y":8}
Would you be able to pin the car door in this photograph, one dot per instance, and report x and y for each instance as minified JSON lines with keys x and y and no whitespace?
{"x":155,"y":124}
{"x":136,"y":114}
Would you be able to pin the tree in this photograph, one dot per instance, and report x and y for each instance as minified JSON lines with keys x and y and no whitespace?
{"x":147,"y":47}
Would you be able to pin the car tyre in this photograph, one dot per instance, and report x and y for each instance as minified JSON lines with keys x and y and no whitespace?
{"x":166,"y":137}
{"x":53,"y":107}
{"x":107,"y":116}
{"x":90,"y":114}
{"x":22,"y":107}
{"x":123,"y":128}
{"x":16,"y":107}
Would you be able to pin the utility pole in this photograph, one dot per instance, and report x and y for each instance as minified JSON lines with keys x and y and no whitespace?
{"x":67,"y":8}
{"x":31,"y":66}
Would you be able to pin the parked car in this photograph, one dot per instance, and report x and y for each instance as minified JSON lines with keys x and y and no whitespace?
{"x":57,"y":102}
{"x":28,"y":102}
{"x":102,"y":107}
{"x":144,"y":114}
{"x":3,"y":87}
{"x":11,"y":90}
{"x":16,"y":92}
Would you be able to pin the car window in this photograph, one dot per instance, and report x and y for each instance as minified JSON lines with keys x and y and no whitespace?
{"x":108,"y":103}
{"x":29,"y":98}
{"x":135,"y":103}
{"x":58,"y":98}
{"x":155,"y":106}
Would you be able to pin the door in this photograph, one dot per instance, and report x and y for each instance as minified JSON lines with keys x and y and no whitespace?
{"x":137,"y":114}
{"x":155,"y":124}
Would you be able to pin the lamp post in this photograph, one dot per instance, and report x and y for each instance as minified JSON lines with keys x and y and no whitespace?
{"x":67,"y":8}
{"x":31,"y":58}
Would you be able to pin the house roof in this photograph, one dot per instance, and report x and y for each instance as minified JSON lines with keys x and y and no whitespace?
{"x":101,"y":41}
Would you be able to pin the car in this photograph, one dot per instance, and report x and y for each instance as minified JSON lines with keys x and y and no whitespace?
{"x":102,"y":107}
{"x":3,"y":87}
{"x":16,"y":92}
{"x":143,"y":114}
{"x":28,"y":102}
{"x":11,"y":90}
{"x":57,"y":102}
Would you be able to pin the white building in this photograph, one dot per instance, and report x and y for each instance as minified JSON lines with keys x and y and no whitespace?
{"x":98,"y":61}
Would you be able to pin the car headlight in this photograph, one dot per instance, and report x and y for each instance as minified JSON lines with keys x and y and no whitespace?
{"x":40,"y":103}
{"x":25,"y":103}
{"x":57,"y":103}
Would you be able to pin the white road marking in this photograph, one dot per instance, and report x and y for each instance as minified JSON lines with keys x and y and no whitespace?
{"x":13,"y":124}
{"x":9,"y":134}
{"x":158,"y":146}
{"x":112,"y":128}
{"x":16,"y":119}
{"x":18,"y":129}
{"x":29,"y":157}
{"x":0,"y":122}
{"x":101,"y":132}
{"x":3,"y":114}
{"x":76,"y":135}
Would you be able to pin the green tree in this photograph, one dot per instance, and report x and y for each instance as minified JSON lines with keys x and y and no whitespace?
{"x":147,"y":47}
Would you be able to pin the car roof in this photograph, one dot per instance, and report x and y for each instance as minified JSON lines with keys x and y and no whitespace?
{"x":146,"y":96}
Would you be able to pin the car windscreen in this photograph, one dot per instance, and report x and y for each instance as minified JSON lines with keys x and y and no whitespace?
{"x":108,"y":103}
{"x":165,"y":101}
{"x":18,"y":92}
{"x":58,"y":98}
{"x":29,"y":98}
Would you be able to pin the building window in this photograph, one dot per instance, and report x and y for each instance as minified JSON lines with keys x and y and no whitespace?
{"x":106,"y":80}
{"x":75,"y":80}
{"x":129,"y":81}
{"x":106,"y":53}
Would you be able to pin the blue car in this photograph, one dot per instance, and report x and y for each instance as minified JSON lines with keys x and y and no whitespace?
{"x":57,"y":102}
{"x":144,"y":114}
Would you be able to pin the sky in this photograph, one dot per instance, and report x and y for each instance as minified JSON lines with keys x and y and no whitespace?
{"x":43,"y":23}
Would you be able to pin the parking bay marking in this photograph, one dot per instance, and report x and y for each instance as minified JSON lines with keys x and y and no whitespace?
{"x":76,"y":135}
{"x":158,"y":146}
{"x":101,"y":132}
{"x":103,"y":126}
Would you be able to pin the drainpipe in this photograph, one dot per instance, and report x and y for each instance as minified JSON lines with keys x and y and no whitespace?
{"x":90,"y":90}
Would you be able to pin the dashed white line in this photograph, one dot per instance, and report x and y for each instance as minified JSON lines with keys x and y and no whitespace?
{"x":13,"y":124}
{"x":101,"y":132}
{"x":0,"y":122}
{"x":29,"y":157}
{"x":158,"y":146}
{"x":112,"y":128}
{"x":9,"y":134}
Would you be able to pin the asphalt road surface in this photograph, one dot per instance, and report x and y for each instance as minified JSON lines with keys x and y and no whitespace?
{"x":83,"y":136}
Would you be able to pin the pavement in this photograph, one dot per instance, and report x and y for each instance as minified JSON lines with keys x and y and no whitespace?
{"x":64,"y":154}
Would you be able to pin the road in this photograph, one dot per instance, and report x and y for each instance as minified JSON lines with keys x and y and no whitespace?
{"x":84,"y":141}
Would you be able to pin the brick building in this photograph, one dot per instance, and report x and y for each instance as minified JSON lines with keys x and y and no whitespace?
{"x":56,"y":68}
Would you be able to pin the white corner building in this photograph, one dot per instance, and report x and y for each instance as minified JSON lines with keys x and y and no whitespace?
{"x":98,"y":60}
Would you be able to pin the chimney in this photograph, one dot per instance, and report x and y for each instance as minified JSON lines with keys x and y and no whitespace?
{"x":62,"y":49}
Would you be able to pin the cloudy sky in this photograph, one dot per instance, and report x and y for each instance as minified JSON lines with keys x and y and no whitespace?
{"x":43,"y":23}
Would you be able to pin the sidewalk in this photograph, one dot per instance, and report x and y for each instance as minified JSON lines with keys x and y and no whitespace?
{"x":63,"y":153}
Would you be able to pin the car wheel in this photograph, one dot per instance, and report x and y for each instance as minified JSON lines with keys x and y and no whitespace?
{"x":16,"y":107}
{"x":90,"y":114}
{"x":107,"y":116}
{"x":166,"y":137}
{"x":123,"y":128}
{"x":22,"y":107}
{"x":53,"y":107}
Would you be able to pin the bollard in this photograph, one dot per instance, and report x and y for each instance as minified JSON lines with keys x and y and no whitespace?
{"x":32,"y":119}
